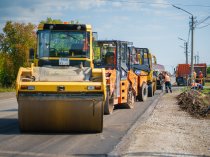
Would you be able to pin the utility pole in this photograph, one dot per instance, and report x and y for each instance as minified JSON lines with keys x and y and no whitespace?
{"x":192,"y":39}
{"x":192,"y":46}
{"x":198,"y":57}
{"x":186,"y":52}
{"x":186,"y":48}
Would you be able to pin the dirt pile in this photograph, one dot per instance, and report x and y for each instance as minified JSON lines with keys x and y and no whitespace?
{"x":195,"y":102}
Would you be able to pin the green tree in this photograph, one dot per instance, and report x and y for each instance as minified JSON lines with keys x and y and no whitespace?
{"x":208,"y":70}
{"x":6,"y":70}
{"x":49,"y":20}
{"x":15,"y":42}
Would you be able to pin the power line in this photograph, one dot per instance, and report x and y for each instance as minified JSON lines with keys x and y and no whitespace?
{"x":203,"y":26}
{"x":157,"y":3}
{"x":202,"y":21}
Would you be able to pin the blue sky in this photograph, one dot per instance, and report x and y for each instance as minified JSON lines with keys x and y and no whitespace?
{"x":147,"y":23}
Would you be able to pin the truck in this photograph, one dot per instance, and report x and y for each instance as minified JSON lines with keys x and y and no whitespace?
{"x":183,"y":73}
{"x":61,"y":91}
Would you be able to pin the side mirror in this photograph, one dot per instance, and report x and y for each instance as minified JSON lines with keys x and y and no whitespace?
{"x":31,"y":54}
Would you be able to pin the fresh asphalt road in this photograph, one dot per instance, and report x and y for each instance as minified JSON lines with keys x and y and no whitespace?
{"x":14,"y":143}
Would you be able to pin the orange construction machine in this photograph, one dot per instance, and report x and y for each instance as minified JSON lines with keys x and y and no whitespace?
{"x":126,"y":76}
{"x":112,"y":55}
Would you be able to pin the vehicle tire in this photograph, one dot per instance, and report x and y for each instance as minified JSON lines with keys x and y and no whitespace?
{"x":130,"y":99}
{"x":143,"y":93}
{"x":109,"y":104}
{"x":154,"y":88}
{"x":150,"y":90}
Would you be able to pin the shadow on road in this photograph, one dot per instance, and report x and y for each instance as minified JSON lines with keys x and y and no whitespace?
{"x":9,"y":126}
{"x":9,"y":110}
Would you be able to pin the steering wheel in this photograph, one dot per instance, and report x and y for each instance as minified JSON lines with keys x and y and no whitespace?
{"x":53,"y":52}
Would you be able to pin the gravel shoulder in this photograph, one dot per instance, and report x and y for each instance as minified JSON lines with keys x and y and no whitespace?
{"x":169,"y":131}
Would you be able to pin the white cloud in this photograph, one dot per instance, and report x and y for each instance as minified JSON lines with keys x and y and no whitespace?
{"x":39,"y":10}
{"x":160,"y":4}
{"x":127,"y":6}
{"x":117,"y":4}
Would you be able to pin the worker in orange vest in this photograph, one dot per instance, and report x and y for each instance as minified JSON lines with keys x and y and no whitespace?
{"x":200,"y":76}
{"x":195,"y":85}
{"x":167,"y":81}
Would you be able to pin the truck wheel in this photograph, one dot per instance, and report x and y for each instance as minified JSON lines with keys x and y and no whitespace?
{"x":150,"y":90}
{"x":130,"y":99}
{"x":109,"y":104}
{"x":143,"y":93}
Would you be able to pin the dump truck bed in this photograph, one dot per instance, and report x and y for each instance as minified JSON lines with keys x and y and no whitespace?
{"x":183,"y":70}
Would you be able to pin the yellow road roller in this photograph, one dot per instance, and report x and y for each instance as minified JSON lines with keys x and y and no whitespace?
{"x":61,"y":91}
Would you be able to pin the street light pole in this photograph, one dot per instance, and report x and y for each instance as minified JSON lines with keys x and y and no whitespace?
{"x":192,"y":39}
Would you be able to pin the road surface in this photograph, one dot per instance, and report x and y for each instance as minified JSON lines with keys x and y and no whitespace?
{"x":14,"y":143}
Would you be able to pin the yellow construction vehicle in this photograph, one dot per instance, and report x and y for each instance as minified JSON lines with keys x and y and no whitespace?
{"x":141,"y":70}
{"x":147,"y":59}
{"x":61,"y":91}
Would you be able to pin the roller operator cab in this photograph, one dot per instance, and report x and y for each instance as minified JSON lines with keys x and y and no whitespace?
{"x":64,"y":44}
{"x":61,"y":91}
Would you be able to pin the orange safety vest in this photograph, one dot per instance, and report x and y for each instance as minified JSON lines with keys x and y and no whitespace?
{"x":194,"y":84}
{"x":200,"y":78}
{"x":167,"y":78}
{"x":200,"y":75}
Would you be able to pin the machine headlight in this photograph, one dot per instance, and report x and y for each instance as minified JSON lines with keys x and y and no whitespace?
{"x":94,"y":87}
{"x":90,"y":87}
{"x":31,"y":87}
{"x":28,"y":87}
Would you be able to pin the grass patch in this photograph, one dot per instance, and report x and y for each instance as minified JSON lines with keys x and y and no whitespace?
{"x":206,"y":91}
{"x":7,"y":89}
{"x":207,"y":84}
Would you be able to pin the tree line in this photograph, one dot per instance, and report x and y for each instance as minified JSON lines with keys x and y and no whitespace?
{"x":15,"y":42}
